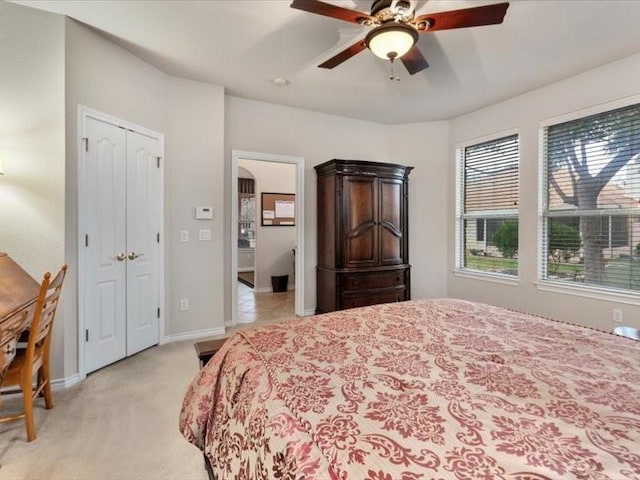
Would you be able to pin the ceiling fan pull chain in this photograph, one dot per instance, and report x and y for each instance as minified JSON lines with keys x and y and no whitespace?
{"x":392,"y":75}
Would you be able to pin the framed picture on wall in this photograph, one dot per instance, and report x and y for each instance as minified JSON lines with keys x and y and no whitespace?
{"x":278,"y":209}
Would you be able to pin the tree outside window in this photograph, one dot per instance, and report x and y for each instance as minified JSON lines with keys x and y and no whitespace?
{"x":592,"y":214}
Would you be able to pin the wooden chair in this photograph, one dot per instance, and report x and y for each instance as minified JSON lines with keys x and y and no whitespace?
{"x":34,"y":359}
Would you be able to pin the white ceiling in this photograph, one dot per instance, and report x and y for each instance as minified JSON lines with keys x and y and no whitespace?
{"x":244,"y":44}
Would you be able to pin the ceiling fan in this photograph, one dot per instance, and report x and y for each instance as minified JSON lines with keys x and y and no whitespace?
{"x":396,"y":28}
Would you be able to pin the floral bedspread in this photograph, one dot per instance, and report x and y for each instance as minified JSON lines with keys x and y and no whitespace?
{"x":439,"y":389}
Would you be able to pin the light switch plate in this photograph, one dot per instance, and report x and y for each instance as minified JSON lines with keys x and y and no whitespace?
{"x":205,"y":234}
{"x":184,"y":236}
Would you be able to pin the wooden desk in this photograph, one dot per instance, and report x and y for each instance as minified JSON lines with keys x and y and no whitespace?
{"x":207,"y":349}
{"x":18,"y":293}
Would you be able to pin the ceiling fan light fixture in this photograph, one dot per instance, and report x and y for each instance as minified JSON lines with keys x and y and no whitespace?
{"x":391,"y":40}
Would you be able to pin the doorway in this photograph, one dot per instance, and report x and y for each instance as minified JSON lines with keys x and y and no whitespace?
{"x":119,"y":220}
{"x":294,"y":254}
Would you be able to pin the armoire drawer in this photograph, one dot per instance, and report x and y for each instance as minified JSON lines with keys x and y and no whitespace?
{"x":371,"y":280}
{"x":381,"y":296}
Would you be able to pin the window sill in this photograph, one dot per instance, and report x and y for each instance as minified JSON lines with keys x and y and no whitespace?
{"x":596,"y":293}
{"x":488,"y":277}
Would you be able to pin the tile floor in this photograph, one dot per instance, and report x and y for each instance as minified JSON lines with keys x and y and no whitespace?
{"x":264,"y":307}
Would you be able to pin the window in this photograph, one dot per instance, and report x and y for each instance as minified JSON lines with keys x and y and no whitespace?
{"x":487,"y":206}
{"x":246,"y":213}
{"x":591,"y":213}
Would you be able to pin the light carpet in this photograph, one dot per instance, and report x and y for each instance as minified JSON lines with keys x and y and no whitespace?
{"x":119,"y":423}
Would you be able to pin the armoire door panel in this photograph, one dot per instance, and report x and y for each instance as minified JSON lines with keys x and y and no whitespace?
{"x":391,"y":236}
{"x":360,"y":219}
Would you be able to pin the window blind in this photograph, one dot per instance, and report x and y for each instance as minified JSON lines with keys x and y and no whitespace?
{"x":591,"y":216}
{"x":488,"y":206}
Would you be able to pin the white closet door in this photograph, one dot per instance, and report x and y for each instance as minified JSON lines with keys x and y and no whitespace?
{"x":143,"y":201}
{"x":105,"y":243}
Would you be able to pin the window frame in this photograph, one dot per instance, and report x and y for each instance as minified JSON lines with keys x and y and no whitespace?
{"x":459,"y":267}
{"x":596,"y":292}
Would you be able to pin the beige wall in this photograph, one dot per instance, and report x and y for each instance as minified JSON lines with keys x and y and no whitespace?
{"x":105,"y":77}
{"x":605,"y":84}
{"x":268,"y":128}
{"x":273,"y":252}
{"x":32,"y":123}
{"x":202,"y":126}
{"x":425,"y":146}
{"x":194,"y":176}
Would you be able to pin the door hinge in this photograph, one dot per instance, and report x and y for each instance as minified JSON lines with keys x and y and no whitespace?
{"x":158,"y":312}
{"x":158,"y":237}
{"x":86,"y":335}
{"x":158,"y":159}
{"x":86,"y":240}
{"x":86,"y":143}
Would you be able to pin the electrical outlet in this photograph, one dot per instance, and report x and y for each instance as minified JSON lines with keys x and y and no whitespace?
{"x":184,"y":236}
{"x":205,"y":234}
{"x":184,"y":304}
{"x":617,"y":315}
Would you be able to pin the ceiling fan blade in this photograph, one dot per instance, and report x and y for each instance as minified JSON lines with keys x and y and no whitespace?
{"x":466,"y":17}
{"x":414,"y":61}
{"x":333,"y":11}
{"x":346,"y":54}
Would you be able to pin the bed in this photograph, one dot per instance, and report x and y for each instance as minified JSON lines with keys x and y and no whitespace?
{"x":427,"y":389}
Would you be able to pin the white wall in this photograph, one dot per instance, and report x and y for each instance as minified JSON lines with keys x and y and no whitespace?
{"x":32,"y":146}
{"x":267,"y":128}
{"x":425,"y":146}
{"x":605,"y":84}
{"x":274,"y":245}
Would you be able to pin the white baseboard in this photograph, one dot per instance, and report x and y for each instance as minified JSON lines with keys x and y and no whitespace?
{"x":310,"y":312}
{"x":195,"y":335}
{"x":247,"y":269}
{"x":56,"y":385}
{"x":62,"y":383}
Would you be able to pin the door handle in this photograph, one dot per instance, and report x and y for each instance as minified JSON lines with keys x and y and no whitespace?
{"x":134,"y":255}
{"x":121,"y":256}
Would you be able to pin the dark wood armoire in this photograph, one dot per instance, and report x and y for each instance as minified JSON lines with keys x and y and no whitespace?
{"x":363,"y":245}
